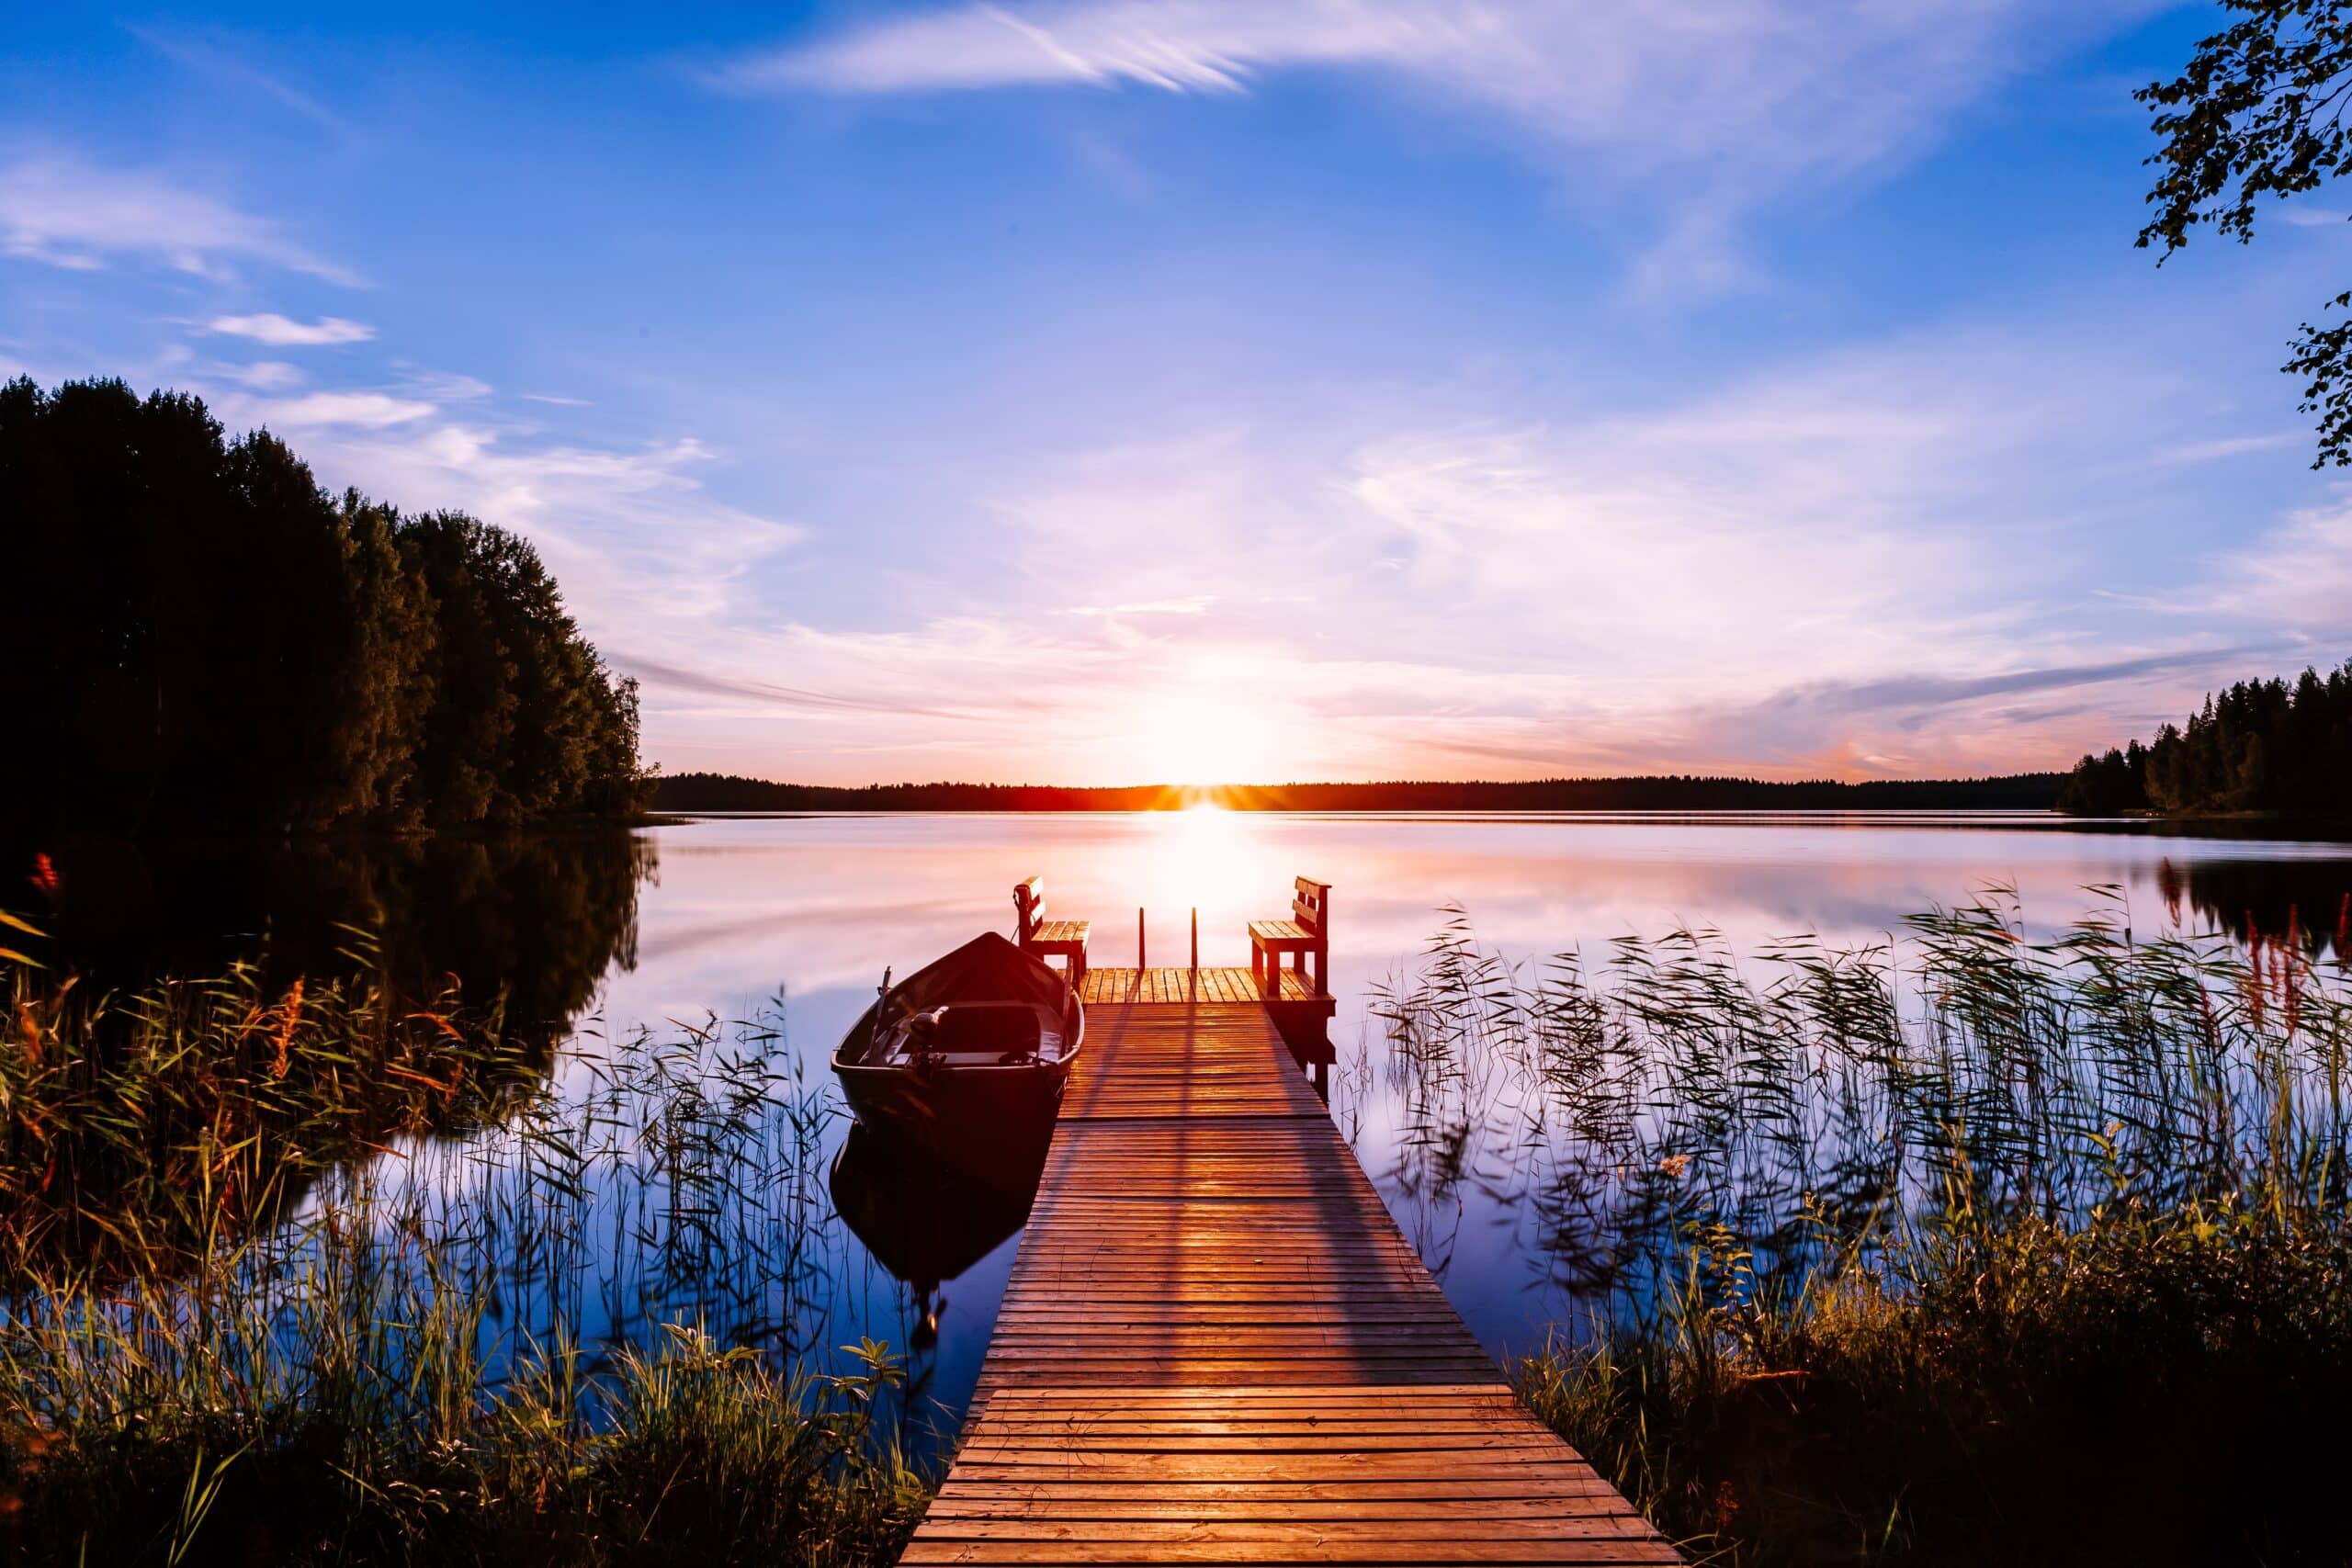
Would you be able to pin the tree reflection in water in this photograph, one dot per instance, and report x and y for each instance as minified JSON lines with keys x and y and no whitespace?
{"x":414,"y":990}
{"x":530,"y":921}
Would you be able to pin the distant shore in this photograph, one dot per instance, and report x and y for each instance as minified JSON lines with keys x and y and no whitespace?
{"x":2015,"y":792}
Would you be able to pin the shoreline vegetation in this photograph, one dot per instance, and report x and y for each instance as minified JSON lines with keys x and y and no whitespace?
{"x":1900,"y":1254}
{"x":695,"y":792}
{"x":202,"y":640}
{"x":323,"y":1274}
{"x":1866,"y":1235}
{"x":2262,"y":749}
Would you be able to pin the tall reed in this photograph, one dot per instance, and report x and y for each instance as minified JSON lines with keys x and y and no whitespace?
{"x":259,"y":1303}
{"x":1954,"y":1248}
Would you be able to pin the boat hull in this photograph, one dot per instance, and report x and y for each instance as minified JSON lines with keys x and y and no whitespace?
{"x":955,"y":1105}
{"x":954,"y":1098}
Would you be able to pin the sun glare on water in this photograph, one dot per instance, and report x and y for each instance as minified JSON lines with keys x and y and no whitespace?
{"x":1202,"y":857}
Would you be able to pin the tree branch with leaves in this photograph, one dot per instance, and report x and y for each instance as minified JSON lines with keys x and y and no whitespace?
{"x":2259,"y":113}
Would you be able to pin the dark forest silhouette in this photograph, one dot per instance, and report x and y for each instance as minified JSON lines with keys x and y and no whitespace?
{"x":2260,"y":746}
{"x":199,"y":637}
{"x":726,"y":792}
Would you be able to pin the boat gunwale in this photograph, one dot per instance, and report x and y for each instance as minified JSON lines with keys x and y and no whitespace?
{"x":1073,"y":1019}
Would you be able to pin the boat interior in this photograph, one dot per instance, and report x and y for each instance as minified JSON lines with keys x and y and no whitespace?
{"x":978,"y":1034}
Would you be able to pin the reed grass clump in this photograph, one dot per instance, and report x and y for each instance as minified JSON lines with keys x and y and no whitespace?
{"x":1971,"y":1246}
{"x":258,"y":1303}
{"x":137,"y":1128}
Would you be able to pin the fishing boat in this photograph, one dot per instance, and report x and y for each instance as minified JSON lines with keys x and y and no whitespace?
{"x":985,"y":1034}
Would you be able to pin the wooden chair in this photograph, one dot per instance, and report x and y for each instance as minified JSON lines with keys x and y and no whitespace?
{"x":1048,"y":938}
{"x":1307,"y":933}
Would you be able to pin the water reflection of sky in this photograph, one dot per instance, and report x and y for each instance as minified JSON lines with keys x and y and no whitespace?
{"x":818,"y":905}
{"x":743,"y":910}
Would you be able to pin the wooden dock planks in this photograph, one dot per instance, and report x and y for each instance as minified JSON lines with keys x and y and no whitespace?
{"x":1216,"y":1348}
{"x":1179,"y":985}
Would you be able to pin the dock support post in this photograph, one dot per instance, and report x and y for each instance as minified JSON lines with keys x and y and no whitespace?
{"x":1141,"y":961}
{"x":1196,"y":941}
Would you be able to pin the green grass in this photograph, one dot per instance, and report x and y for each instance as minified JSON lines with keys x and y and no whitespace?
{"x":1968,"y":1249}
{"x":578,"y":1334}
{"x":152,"y":1433}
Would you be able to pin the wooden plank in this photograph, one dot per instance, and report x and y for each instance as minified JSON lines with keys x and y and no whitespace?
{"x":1164,"y":987}
{"x":1110,"y":1547}
{"x":1215,"y":1346}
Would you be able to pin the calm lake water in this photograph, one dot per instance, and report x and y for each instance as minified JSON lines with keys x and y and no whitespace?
{"x":607,"y":934}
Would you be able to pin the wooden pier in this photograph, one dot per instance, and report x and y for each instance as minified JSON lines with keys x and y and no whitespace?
{"x":1215,"y":1346}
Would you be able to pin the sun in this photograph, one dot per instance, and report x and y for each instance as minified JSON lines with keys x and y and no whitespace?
{"x":1193,"y":739}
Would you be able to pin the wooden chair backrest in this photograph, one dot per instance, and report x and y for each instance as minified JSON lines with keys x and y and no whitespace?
{"x":1029,"y":905}
{"x":1311,"y":908}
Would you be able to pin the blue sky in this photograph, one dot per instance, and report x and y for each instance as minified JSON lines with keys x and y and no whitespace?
{"x":1111,"y":391}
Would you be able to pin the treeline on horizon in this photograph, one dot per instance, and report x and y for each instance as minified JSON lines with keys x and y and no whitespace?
{"x":727,"y":791}
{"x":2263,"y":746}
{"x":199,"y":638}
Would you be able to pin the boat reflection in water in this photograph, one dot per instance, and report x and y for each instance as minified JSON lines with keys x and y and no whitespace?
{"x":929,"y":1206}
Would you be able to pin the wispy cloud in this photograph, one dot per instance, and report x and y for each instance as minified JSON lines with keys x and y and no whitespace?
{"x":1191,"y":604}
{"x":1178,"y":45}
{"x":1795,"y":574}
{"x":230,"y":63}
{"x":1916,"y":723}
{"x":2231,"y":447}
{"x":2296,"y":577}
{"x":445,"y":386}
{"x":64,"y":212}
{"x":1706,"y":107}
{"x":1823,"y":522}
{"x":1814,"y":570}
{"x":266,"y":374}
{"x":799,"y":698}
{"x":365,"y":411}
{"x":284,"y":332}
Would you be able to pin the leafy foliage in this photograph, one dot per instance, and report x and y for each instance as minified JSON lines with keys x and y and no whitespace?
{"x":2107,"y":785}
{"x":202,"y":639}
{"x":2259,"y":113}
{"x":2260,"y":746}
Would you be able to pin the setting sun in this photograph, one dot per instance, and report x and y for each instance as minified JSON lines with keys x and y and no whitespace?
{"x":1194,"y":738}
